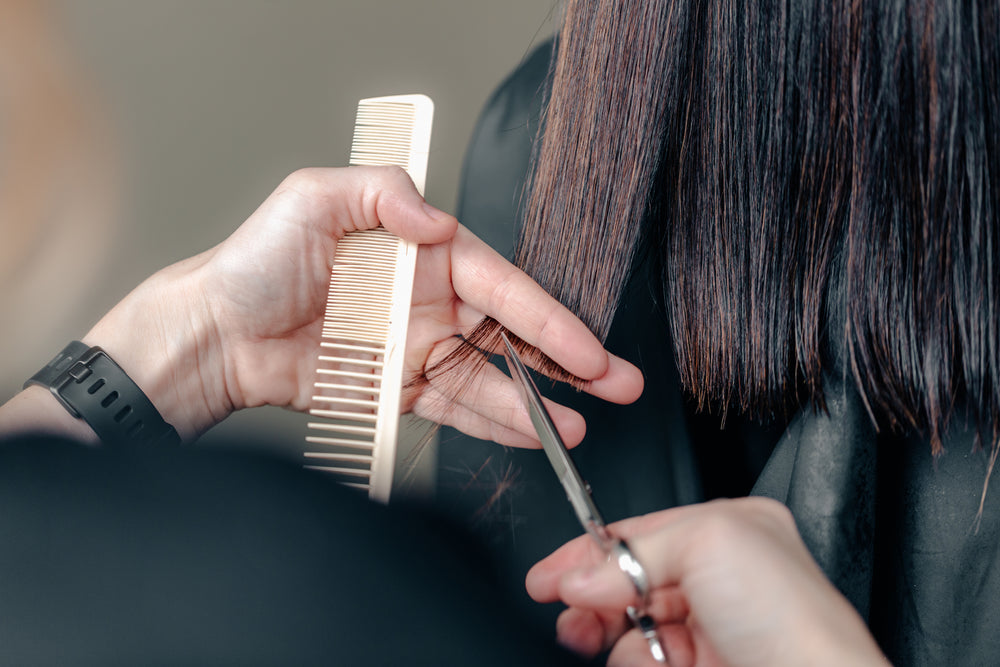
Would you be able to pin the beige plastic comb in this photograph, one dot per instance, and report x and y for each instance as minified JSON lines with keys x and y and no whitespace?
{"x":360,"y":369}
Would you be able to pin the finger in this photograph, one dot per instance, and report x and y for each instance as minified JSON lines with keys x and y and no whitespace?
{"x":342,"y":200}
{"x":621,"y":383}
{"x":565,"y":557}
{"x":404,"y":212}
{"x":472,"y":424}
{"x":431,"y":405}
{"x":542,"y":580}
{"x":588,"y":632}
{"x":673,"y":543}
{"x":494,"y":286}
{"x":486,"y":391}
{"x":605,"y":585}
{"x":580,"y":553}
{"x":488,"y":406}
{"x":666,"y":604}
{"x":633,"y":648}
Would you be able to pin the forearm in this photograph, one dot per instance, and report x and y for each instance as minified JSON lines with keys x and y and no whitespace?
{"x":162,"y":336}
{"x":36,"y":411}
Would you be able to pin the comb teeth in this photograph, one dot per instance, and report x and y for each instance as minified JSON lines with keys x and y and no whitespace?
{"x":359,"y":302}
{"x":360,"y":367}
{"x":394,"y":131}
{"x":383,"y":134}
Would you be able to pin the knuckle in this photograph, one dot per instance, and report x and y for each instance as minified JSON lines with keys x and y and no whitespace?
{"x":383,"y":185}
{"x":395,"y":173}
{"x":502,"y":294}
{"x":543,"y":330}
{"x":717,"y":531}
{"x":387,"y":176}
{"x":744,"y":521}
{"x":773,"y":510}
{"x":306,"y":179}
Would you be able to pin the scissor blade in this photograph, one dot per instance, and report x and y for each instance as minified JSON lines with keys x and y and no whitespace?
{"x":576,"y":489}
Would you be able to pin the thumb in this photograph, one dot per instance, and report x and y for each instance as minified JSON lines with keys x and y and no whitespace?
{"x":335,"y":201}
{"x":401,"y":210}
{"x":597,"y":586}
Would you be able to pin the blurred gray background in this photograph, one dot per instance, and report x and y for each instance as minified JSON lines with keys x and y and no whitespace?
{"x":176,"y":119}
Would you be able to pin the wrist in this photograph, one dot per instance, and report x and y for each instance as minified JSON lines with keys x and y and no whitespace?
{"x":92,"y":387}
{"x":161,"y":335}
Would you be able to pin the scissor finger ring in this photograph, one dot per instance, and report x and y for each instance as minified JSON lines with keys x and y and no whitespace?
{"x":633,"y":569}
{"x":645,"y":624}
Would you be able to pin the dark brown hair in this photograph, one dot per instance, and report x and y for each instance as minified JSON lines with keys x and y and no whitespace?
{"x":817,"y":180}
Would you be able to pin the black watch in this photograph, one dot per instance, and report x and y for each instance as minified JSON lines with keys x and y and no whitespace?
{"x":94,"y":388}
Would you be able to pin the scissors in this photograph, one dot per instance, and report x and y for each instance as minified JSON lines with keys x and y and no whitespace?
{"x":580,"y":498}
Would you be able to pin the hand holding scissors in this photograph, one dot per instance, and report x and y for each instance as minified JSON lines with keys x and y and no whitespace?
{"x":759,"y":597}
{"x":583,"y":504}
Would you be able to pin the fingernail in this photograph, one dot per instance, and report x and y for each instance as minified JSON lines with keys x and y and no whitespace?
{"x":435,"y":213}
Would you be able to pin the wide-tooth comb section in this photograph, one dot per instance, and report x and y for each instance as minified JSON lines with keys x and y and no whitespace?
{"x":360,"y":368}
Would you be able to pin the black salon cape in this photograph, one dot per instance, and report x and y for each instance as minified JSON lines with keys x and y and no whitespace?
{"x":894,"y":529}
{"x":193,"y":557}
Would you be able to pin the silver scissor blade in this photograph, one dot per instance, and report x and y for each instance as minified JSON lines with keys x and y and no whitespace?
{"x":579,"y":495}
{"x":576,"y":489}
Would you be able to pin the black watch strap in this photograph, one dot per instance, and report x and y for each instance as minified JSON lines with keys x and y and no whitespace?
{"x":93,"y":387}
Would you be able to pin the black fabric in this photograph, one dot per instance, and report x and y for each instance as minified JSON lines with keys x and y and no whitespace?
{"x":196,"y":557}
{"x":893,"y":528}
{"x":899,"y":532}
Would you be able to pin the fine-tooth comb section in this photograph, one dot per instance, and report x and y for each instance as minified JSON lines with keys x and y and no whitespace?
{"x":360,"y":368}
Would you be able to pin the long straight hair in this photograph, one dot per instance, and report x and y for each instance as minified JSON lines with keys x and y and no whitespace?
{"x":817,"y":179}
